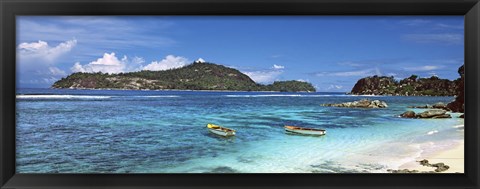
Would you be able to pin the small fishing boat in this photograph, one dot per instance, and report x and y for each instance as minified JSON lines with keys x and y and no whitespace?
{"x":222,"y":131}
{"x":305,"y":131}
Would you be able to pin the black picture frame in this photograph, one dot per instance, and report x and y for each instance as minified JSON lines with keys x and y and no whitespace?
{"x":9,"y":9}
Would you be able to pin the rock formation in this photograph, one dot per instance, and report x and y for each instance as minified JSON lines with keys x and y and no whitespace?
{"x":433,"y":114}
{"x":364,"y":103}
{"x":411,"y":86}
{"x":459,"y":104}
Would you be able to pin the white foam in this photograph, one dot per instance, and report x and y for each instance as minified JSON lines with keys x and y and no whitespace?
{"x":61,"y":97}
{"x":161,"y":96}
{"x":432,"y":132}
{"x":458,"y":126}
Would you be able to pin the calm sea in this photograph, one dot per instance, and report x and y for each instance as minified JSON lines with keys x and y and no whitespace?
{"x":116,"y":131}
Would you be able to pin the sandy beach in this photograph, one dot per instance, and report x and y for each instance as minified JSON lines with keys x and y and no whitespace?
{"x":453,"y":157}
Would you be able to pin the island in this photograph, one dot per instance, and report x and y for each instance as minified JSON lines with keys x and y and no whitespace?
{"x":195,"y":76}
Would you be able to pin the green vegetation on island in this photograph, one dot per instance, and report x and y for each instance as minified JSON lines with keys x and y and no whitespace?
{"x":196,"y":76}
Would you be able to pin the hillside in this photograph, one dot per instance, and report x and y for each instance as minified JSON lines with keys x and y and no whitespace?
{"x":196,"y":76}
{"x":411,"y":86}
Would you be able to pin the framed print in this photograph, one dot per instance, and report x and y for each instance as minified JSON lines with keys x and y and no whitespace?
{"x":239,"y":94}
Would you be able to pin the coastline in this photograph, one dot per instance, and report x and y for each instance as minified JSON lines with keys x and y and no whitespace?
{"x":453,"y":156}
{"x":121,"y":89}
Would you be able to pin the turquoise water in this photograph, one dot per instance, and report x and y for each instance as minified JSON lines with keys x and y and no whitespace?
{"x":115,"y":131}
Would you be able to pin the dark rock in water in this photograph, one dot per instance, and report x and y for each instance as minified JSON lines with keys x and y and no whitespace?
{"x":440,"y":167}
{"x":427,"y":106}
{"x":424,"y":162}
{"x":223,"y":169}
{"x":432,"y":114}
{"x":364,"y":103}
{"x":403,"y":171}
{"x":442,"y":116}
{"x":458,"y":105}
{"x":462,"y":116}
{"x":439,"y":105}
{"x":408,"y":114}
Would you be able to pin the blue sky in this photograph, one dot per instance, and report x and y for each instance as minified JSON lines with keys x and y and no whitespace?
{"x":331,"y":52}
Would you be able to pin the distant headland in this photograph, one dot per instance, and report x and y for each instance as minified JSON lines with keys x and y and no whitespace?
{"x":414,"y":86}
{"x":411,"y":86}
{"x":195,"y":76}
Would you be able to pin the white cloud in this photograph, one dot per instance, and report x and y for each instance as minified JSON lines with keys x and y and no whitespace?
{"x":445,"y":38}
{"x":77,"y":67}
{"x":392,"y":74}
{"x":360,"y":73}
{"x":267,"y":76}
{"x":349,"y":63}
{"x":335,"y":87}
{"x":167,"y":63}
{"x":109,"y":63}
{"x":43,"y":51}
{"x":138,"y":60}
{"x":415,"y":22}
{"x":278,"y":66}
{"x":303,"y":80}
{"x":423,"y":68}
{"x":447,"y":26}
{"x":200,"y":60}
{"x":432,"y":74}
{"x":56,"y":71}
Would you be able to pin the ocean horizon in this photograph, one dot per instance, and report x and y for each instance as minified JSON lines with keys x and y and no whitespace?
{"x":163,"y":131}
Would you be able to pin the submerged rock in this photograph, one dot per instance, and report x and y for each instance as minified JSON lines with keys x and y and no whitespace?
{"x":223,"y":169}
{"x":462,"y":116}
{"x":427,"y":106}
{"x":364,"y":103}
{"x":408,"y":114}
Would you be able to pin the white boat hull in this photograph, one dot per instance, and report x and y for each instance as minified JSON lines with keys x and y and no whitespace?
{"x":221,"y":133}
{"x":306,"y":132}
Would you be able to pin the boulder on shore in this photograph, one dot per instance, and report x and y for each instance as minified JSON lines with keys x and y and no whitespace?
{"x":364,"y":103}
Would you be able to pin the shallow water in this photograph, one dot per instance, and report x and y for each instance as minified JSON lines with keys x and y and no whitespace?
{"x":115,"y":131}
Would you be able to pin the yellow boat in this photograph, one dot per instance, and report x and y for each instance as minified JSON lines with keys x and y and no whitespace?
{"x":306,"y":131}
{"x":222,"y":131}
